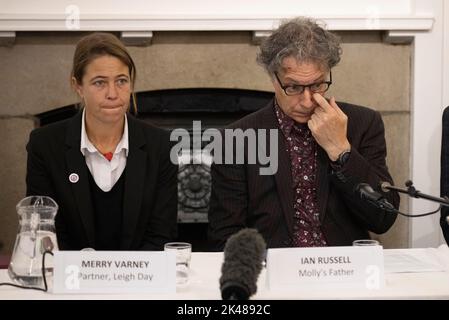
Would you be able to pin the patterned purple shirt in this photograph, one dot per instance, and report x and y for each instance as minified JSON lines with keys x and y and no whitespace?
{"x":302,"y":149}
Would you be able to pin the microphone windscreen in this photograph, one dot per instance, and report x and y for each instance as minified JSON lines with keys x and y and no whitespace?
{"x":244,"y":254}
{"x":365,"y":191}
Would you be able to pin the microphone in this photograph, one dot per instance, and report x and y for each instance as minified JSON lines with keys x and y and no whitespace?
{"x":366,"y":192}
{"x":412,"y":192}
{"x":385,"y":186}
{"x":244,"y":254}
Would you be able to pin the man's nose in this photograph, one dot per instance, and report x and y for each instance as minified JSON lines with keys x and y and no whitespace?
{"x":307,"y":98}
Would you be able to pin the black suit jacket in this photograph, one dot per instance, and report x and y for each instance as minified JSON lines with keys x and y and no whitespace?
{"x":241,"y":197}
{"x":150,"y":196}
{"x":444,"y":177}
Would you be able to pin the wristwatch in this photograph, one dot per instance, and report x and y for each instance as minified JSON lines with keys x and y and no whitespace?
{"x":342,"y":158}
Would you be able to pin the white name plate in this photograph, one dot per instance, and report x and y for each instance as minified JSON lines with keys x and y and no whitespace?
{"x":328,"y":267}
{"x":114,"y":272}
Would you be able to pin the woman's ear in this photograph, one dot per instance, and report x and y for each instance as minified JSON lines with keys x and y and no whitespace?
{"x":77,"y":87}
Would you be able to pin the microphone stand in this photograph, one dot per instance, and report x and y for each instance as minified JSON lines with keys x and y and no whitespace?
{"x":412,"y":192}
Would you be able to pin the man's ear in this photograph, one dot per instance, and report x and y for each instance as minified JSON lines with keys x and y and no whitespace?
{"x":77,"y":87}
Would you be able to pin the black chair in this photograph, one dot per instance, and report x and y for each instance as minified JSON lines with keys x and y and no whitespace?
{"x":444,"y":178}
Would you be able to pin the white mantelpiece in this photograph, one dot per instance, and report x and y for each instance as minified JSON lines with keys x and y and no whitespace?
{"x":57,"y":22}
{"x":253,"y":15}
{"x":422,"y":21}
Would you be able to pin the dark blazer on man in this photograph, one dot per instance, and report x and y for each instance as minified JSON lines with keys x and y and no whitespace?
{"x":150,"y":186}
{"x":241,"y":197}
{"x":444,"y":176}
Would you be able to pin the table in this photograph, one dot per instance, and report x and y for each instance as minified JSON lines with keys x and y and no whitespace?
{"x":206,"y":271}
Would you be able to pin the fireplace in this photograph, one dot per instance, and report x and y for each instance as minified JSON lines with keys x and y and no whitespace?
{"x":392,"y":61}
{"x":178,"y":108}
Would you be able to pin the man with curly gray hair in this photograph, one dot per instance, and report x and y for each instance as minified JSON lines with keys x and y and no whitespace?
{"x":325,"y":150}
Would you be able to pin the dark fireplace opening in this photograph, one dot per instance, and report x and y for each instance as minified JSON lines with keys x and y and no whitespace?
{"x":178,"y":108}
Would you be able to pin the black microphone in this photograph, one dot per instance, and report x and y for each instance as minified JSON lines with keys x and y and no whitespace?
{"x":385,"y":186}
{"x":244,"y":254}
{"x":412,"y":192}
{"x":366,"y":192}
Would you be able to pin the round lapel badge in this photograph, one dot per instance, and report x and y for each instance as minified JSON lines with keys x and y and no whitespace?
{"x":73,"y":178}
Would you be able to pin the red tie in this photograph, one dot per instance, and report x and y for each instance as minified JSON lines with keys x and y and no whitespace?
{"x":108,"y":155}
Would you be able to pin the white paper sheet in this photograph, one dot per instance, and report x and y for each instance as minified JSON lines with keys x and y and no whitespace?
{"x":417,"y":260}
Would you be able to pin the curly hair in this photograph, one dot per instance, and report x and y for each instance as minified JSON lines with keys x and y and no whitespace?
{"x":301,"y":38}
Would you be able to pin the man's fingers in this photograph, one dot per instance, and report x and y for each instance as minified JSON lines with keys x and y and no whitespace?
{"x":319,"y":111}
{"x":326,"y":105}
{"x":334,"y":104}
{"x":321,"y":101}
{"x":311,"y":124}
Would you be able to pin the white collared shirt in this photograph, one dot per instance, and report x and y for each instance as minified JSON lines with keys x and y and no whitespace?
{"x":105,"y":173}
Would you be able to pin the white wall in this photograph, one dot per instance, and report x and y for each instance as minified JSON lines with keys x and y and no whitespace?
{"x":446,"y":55}
{"x":445,"y":66}
{"x":209,"y":7}
{"x":426,"y":124}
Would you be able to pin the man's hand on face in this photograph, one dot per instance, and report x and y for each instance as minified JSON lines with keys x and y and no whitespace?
{"x":329,"y":126}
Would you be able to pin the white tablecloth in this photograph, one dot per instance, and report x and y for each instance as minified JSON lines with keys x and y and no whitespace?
{"x":206,"y":270}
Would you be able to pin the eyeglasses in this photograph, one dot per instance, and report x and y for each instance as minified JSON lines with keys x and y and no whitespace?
{"x":295,"y":89}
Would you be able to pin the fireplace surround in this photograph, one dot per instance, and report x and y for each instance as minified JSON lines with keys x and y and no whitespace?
{"x":396,"y":47}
